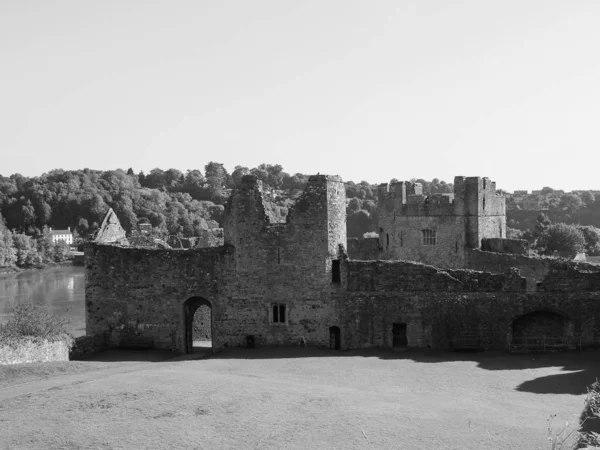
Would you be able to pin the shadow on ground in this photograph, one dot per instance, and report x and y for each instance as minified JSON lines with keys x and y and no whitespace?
{"x":581,"y":368}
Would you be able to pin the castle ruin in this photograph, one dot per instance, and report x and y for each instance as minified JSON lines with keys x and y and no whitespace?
{"x":425,"y":282}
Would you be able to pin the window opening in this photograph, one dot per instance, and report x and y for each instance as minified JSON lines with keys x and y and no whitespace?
{"x":335,"y":271}
{"x":279,"y":313}
{"x":429,"y":237}
{"x":387,"y":240}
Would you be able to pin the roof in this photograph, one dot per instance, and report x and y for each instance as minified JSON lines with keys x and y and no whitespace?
{"x":53,"y":232}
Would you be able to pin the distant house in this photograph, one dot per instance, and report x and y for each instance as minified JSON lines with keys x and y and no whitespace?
{"x":62,"y":235}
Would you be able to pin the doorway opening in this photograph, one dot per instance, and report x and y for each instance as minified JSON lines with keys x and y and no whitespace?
{"x":541,"y":331}
{"x":399,"y":338}
{"x":198,"y":325}
{"x":335,"y":339}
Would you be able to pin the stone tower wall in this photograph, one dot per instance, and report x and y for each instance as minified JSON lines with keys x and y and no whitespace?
{"x":460,"y":221}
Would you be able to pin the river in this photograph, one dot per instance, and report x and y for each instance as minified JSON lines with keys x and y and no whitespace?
{"x":61,"y":288}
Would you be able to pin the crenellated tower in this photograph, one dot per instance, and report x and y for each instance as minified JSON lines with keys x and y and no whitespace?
{"x":437,"y":229}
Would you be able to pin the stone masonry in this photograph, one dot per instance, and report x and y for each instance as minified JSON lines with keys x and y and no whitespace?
{"x":286,"y":283}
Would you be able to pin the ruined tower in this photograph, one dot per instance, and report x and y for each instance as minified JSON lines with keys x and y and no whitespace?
{"x":311,"y":237}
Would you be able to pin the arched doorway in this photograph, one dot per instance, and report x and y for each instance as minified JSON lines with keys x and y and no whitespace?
{"x":335,"y":338}
{"x":540,"y":330}
{"x":198,"y":325}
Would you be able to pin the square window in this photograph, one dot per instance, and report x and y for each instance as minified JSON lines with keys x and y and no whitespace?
{"x":429,"y":237}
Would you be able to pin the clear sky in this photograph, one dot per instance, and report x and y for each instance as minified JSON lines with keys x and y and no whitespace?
{"x":369,"y":90}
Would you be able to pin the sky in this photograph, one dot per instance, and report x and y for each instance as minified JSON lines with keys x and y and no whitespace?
{"x":369,"y":90}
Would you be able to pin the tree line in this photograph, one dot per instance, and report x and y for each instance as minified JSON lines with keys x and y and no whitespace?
{"x":184,"y":204}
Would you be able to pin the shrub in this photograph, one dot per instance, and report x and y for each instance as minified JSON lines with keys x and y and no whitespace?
{"x":590,"y":419}
{"x":32,"y":320}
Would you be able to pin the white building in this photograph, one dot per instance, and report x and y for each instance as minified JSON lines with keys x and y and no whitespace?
{"x":62,"y":235}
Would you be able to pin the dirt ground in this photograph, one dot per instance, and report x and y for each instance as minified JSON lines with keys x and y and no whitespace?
{"x":295,"y":398}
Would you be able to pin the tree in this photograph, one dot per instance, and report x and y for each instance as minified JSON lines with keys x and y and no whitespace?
{"x":82,"y":226}
{"x":27,"y":254}
{"x":592,"y":239}
{"x":217,"y":178}
{"x":238,"y":173}
{"x":565,"y":240}
{"x":61,"y":251}
{"x":570,"y":203}
{"x":588,"y":198}
{"x":8,"y":255}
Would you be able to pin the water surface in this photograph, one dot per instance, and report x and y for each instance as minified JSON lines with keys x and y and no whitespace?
{"x":61,"y":288}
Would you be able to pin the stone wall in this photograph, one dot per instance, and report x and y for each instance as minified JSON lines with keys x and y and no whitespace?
{"x":138,"y":295}
{"x":436,"y":319}
{"x":364,"y":248}
{"x":534,"y":268}
{"x":499,"y":245}
{"x":283,"y":282}
{"x":403,"y":276}
{"x":35,"y":350}
{"x":459,"y":221}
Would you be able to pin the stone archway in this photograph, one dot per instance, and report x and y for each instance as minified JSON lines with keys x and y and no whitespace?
{"x":540,"y":330}
{"x":199,"y":325}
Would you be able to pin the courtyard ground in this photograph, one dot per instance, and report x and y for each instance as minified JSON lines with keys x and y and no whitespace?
{"x":294,"y":398}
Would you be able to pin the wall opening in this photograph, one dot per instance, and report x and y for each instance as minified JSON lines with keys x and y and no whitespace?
{"x":540,"y":330}
{"x":199,"y":331}
{"x":335,"y":271}
{"x":335,"y":338}
{"x":399,"y":338}
{"x":278,"y":313}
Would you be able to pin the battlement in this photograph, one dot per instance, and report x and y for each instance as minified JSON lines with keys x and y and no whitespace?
{"x":472,"y":196}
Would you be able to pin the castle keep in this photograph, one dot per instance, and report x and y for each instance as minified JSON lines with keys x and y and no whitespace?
{"x":437,"y":229}
{"x":298,"y":281}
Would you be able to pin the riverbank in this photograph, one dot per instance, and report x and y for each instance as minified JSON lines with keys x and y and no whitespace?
{"x":12,"y":269}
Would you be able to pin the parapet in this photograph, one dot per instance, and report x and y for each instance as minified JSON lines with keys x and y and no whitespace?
{"x":471,"y":196}
{"x":324,"y":178}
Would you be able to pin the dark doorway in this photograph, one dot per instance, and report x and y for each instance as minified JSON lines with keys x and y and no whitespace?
{"x":198,"y":325}
{"x":335,"y":339}
{"x":399,"y":339}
